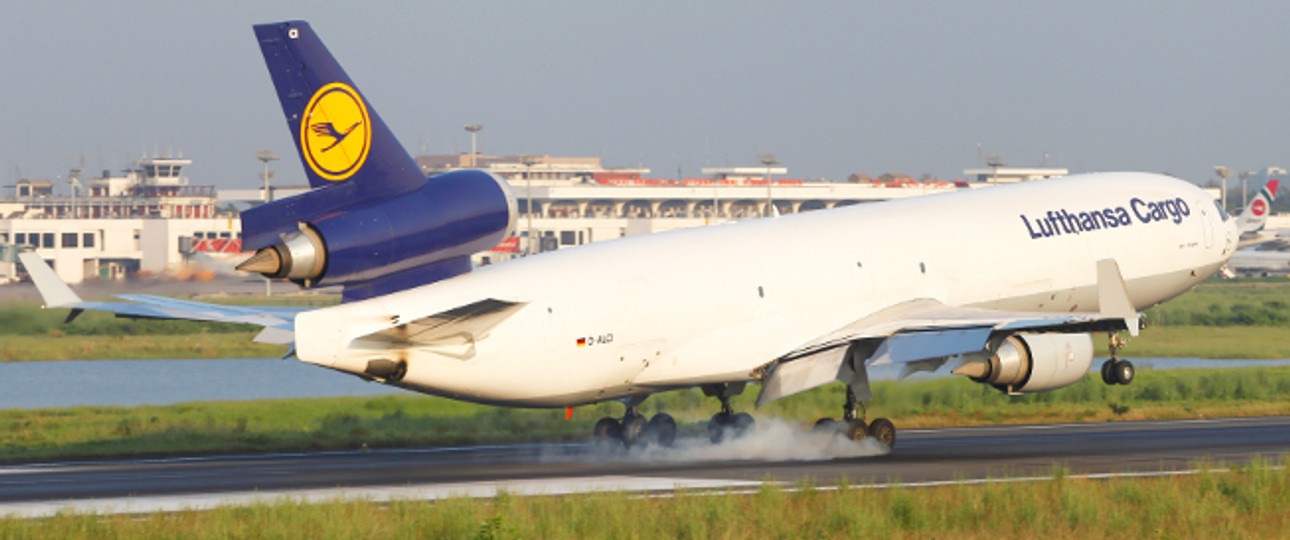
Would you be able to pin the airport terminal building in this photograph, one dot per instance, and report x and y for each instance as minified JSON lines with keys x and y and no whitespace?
{"x":151,"y":221}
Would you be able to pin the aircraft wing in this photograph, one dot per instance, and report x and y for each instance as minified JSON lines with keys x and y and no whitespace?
{"x":923,"y":333}
{"x":278,"y":322}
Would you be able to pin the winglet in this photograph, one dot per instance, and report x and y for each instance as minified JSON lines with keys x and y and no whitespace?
{"x":53,"y":291}
{"x":1113,"y":298}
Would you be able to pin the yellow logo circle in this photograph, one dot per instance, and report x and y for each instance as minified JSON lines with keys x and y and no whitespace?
{"x":335,"y":132}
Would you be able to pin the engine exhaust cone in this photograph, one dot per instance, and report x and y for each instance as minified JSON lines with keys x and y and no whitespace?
{"x":266,"y":261}
{"x":976,"y":369}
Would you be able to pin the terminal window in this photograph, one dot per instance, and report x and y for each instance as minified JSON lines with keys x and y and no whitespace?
{"x":69,"y":240}
{"x":87,"y":240}
{"x":47,"y":240}
{"x":20,"y":238}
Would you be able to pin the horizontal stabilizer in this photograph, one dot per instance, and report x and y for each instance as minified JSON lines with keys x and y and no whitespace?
{"x":56,"y":294}
{"x":53,"y":291}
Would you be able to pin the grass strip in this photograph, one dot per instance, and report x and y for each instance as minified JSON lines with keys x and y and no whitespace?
{"x":136,"y":347}
{"x":1248,"y":502}
{"x":413,"y":420}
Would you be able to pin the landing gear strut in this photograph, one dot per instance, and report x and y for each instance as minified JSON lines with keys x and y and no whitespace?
{"x":853,"y":425}
{"x":728,"y":424}
{"x":1115,"y":370}
{"x":634,"y":430}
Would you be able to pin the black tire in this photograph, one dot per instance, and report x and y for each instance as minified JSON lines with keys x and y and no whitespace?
{"x":825,"y":425}
{"x":662,"y":429}
{"x":857,"y":430}
{"x":633,"y":428}
{"x":883,"y":431}
{"x":718,"y":425}
{"x":1124,"y":372}
{"x":1108,"y":375}
{"x":608,"y":433}
{"x":743,"y":424}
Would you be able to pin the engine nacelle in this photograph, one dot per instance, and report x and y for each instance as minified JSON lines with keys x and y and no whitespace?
{"x":452,"y":215}
{"x":1027,"y":363}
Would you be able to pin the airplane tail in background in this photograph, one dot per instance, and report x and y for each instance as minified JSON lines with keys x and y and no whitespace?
{"x":373,"y":223}
{"x":1255,"y":215}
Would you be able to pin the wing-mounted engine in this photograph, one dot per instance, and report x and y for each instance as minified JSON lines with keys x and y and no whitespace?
{"x":386,"y":244}
{"x":1027,"y":363}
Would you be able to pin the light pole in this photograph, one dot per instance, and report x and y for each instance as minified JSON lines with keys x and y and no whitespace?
{"x":1223,"y":173}
{"x":529,"y":162}
{"x":769,"y":161}
{"x":474,"y":130}
{"x":1245,"y":187}
{"x":265,"y":156}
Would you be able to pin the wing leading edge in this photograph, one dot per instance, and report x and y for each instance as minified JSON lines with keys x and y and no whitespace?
{"x":924,"y":333}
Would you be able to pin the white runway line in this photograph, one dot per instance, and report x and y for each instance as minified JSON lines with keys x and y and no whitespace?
{"x":531,"y":487}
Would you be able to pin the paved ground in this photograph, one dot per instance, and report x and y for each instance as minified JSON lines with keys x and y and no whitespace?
{"x":921,"y":456}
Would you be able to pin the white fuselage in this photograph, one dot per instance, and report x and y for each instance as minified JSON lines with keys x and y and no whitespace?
{"x":712,"y":305}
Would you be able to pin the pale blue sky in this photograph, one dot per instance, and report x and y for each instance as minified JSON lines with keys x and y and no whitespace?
{"x":830,"y":87}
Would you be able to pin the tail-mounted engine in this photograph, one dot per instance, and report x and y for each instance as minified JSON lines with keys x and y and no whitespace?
{"x":1026,"y":363}
{"x":401,"y":237}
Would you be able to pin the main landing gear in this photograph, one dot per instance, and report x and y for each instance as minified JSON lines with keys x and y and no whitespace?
{"x":728,"y":424}
{"x":633,"y":430}
{"x":1115,"y":370}
{"x":854,"y":427}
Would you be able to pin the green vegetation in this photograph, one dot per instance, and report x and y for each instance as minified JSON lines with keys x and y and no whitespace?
{"x":1226,"y":342}
{"x":136,"y":347}
{"x":28,"y":332}
{"x":1241,"y":302}
{"x":393,"y":421}
{"x":1249,"y":502}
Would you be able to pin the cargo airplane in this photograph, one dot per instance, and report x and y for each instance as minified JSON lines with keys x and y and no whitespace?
{"x":1003,"y":284}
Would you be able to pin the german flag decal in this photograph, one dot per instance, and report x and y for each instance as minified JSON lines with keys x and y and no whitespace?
{"x":582,"y":342}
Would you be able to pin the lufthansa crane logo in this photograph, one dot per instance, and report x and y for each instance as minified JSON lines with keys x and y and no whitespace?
{"x":335,"y":133}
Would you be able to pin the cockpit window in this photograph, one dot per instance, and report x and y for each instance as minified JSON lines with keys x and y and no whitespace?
{"x":1221,"y":212}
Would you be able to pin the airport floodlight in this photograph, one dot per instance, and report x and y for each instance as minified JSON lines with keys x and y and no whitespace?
{"x":1245,"y":186}
{"x":474,"y":130}
{"x":769,"y":161}
{"x":1223,"y":172}
{"x":265,"y":156}
{"x":529,"y":161}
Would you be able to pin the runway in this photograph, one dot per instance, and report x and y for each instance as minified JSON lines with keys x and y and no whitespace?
{"x":921,"y":457}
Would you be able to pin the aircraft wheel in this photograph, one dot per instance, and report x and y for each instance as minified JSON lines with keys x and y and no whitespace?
{"x":1108,"y":375}
{"x":662,"y":429}
{"x":825,"y":425}
{"x":1123,"y":372}
{"x":744,"y":424}
{"x":857,"y":430}
{"x":608,"y":433}
{"x":883,"y":431}
{"x":633,"y":429}
{"x":718,"y":425}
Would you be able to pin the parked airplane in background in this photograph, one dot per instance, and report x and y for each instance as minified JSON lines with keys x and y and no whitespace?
{"x":1256,"y":261}
{"x":1255,"y":215}
{"x":1004,"y":283}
